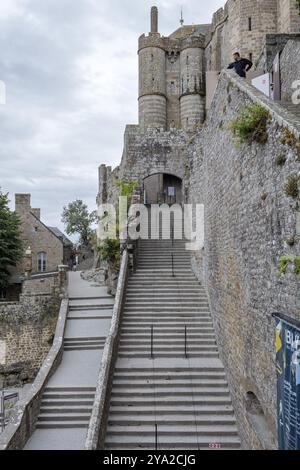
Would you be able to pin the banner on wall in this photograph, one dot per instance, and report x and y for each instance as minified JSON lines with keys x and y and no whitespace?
{"x":288,"y":383}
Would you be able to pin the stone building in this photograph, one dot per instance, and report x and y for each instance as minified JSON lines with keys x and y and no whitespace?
{"x":172,"y":89}
{"x":49,"y":246}
{"x":242,"y":25}
{"x":250,"y":222}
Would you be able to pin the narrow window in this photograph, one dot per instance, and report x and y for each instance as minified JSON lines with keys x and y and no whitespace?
{"x":251,"y":56}
{"x":42,"y":262}
{"x":187,"y":60}
{"x":250,"y":24}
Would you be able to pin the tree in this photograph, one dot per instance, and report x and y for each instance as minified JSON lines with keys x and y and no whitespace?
{"x":11,"y":246}
{"x":78,"y":219}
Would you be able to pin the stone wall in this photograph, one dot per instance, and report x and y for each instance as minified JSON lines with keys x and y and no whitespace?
{"x":146,"y":154}
{"x":288,"y":16}
{"x":290,"y":68}
{"x":26,"y":335}
{"x":249,"y":224}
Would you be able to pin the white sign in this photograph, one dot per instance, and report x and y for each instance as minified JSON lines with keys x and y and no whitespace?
{"x":262,"y":83}
{"x":2,"y":353}
{"x":171,"y":191}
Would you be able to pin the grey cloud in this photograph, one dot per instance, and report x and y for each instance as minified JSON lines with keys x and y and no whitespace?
{"x":70,"y":67}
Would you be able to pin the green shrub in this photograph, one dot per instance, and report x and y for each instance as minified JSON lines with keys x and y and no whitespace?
{"x":251,"y":125}
{"x":285,"y":260}
{"x":298,"y":5}
{"x":281,"y":159}
{"x":110,"y":251}
{"x":291,"y":188}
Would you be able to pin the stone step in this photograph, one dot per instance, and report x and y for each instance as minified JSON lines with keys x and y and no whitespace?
{"x":168,"y":430}
{"x":55,"y":402}
{"x":168,"y":401}
{"x":173,"y":354}
{"x":167,"y":348}
{"x":132,"y":394}
{"x":70,"y":389}
{"x":86,"y":338}
{"x":169,"y":412}
{"x":56,"y":410}
{"x":48,"y":395}
{"x":83,"y":348}
{"x":62,"y":425}
{"x":164,"y":308}
{"x":167,"y":342}
{"x":167,"y":330}
{"x":162,"y":337}
{"x":83,"y":308}
{"x":166,"y":442}
{"x":171,"y":420}
{"x":186,"y":376}
{"x":161,"y":384}
{"x":64,"y":417}
{"x":107,"y":297}
{"x":165,"y":302}
{"x":161,"y":323}
{"x":170,"y":370}
{"x":88,"y":317}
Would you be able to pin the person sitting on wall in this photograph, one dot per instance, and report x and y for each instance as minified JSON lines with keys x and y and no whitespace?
{"x":240,"y":65}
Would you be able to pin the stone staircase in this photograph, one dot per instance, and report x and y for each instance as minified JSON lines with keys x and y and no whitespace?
{"x":68,"y":398}
{"x":173,"y":395}
{"x":66,"y":408}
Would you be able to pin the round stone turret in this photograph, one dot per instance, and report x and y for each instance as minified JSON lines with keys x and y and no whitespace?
{"x":192,"y":99}
{"x":152,"y":78}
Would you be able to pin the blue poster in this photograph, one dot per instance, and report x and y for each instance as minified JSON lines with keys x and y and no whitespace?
{"x":288,"y":384}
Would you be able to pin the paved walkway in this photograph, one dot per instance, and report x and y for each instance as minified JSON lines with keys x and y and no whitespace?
{"x":68,"y":399}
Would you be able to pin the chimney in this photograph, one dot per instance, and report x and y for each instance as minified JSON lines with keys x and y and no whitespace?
{"x":37,"y":213}
{"x":154,"y":20}
{"x":22,"y":203}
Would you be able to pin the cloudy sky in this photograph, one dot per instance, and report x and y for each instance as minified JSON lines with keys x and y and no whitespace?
{"x":70,"y":70}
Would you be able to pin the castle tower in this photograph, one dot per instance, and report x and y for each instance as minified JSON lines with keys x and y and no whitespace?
{"x":152,"y":78}
{"x":192,"y":98}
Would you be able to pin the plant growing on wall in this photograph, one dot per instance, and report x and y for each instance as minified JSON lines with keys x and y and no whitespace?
{"x":291,"y":188}
{"x":110,"y":251}
{"x":285,"y":260}
{"x":109,"y":248}
{"x":126,"y":189}
{"x":251,"y":125}
{"x":11,"y":247}
{"x":298,"y":5}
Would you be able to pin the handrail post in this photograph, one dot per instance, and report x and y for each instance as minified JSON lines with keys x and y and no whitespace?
{"x":185,"y":342}
{"x":173,"y":274}
{"x":152,"y":342}
{"x":156,"y":437}
{"x":2,"y":411}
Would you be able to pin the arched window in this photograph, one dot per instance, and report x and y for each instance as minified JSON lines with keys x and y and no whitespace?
{"x":42,"y":262}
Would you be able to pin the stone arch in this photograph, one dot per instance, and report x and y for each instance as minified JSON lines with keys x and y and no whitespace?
{"x":161,"y":187}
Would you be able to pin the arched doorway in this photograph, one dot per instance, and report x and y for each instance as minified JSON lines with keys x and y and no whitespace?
{"x":163,"y":188}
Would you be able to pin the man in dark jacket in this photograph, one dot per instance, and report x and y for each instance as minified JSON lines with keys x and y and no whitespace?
{"x":240,"y":65}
